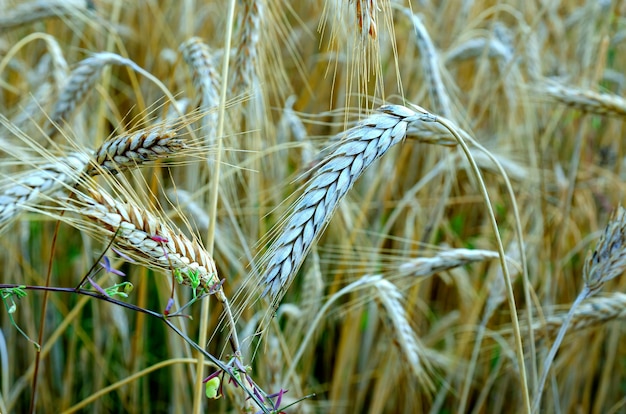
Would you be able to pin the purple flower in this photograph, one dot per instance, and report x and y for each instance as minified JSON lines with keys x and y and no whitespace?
{"x":123,"y":255}
{"x":279,"y":398}
{"x":106,"y":265}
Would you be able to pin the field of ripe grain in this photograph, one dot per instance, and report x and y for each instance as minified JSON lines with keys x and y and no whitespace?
{"x":324,"y":206}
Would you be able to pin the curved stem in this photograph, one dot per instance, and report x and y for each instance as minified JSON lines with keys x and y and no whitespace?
{"x":507,"y":277}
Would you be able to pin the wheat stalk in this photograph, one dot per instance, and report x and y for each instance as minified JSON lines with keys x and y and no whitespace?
{"x":607,"y":261}
{"x":584,"y":99}
{"x":363,"y":144}
{"x":497,"y":296}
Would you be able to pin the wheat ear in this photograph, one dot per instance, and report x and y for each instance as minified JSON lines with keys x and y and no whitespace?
{"x":475,"y":48}
{"x":206,"y":80}
{"x":366,"y":17}
{"x":41,"y":9}
{"x":431,"y":67}
{"x":157,"y":245}
{"x":144,"y":236}
{"x":607,"y":261}
{"x":247,"y":55}
{"x":585,"y":100}
{"x":29,"y":187}
{"x":78,"y":85}
{"x":363,"y":144}
{"x":445,"y":260}
{"x":129,"y":151}
{"x":592,"y":312}
{"x":412,"y":350}
{"x":117,"y":154}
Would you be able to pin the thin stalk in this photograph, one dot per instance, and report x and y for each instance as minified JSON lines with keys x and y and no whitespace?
{"x":42,"y":321}
{"x":584,"y":294}
{"x":519,"y":349}
{"x":210,"y":243}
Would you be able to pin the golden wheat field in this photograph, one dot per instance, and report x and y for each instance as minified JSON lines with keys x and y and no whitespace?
{"x":323,"y":206}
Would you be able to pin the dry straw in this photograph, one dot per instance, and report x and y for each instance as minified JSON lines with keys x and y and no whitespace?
{"x":362,"y":145}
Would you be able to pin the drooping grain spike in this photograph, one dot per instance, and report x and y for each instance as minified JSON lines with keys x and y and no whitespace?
{"x":28,"y":188}
{"x":431,"y":68}
{"x":137,"y":236}
{"x":247,"y":55}
{"x":593,"y":312}
{"x":79,"y":83}
{"x":37,"y":10}
{"x":412,"y":350}
{"x":584,"y":100}
{"x":363,"y":144}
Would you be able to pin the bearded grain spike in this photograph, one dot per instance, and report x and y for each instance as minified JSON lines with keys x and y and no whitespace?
{"x":197,"y":55}
{"x":129,"y":151}
{"x":431,"y":67}
{"x":247,"y":56}
{"x":137,"y":227}
{"x":206,"y":80}
{"x":585,"y":100}
{"x":32,"y":186}
{"x":79,"y":83}
{"x":366,"y":17}
{"x":608,"y":260}
{"x":336,"y":174}
{"x":412,"y":350}
{"x":41,"y":9}
{"x":445,"y":260}
{"x":592,"y":312}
